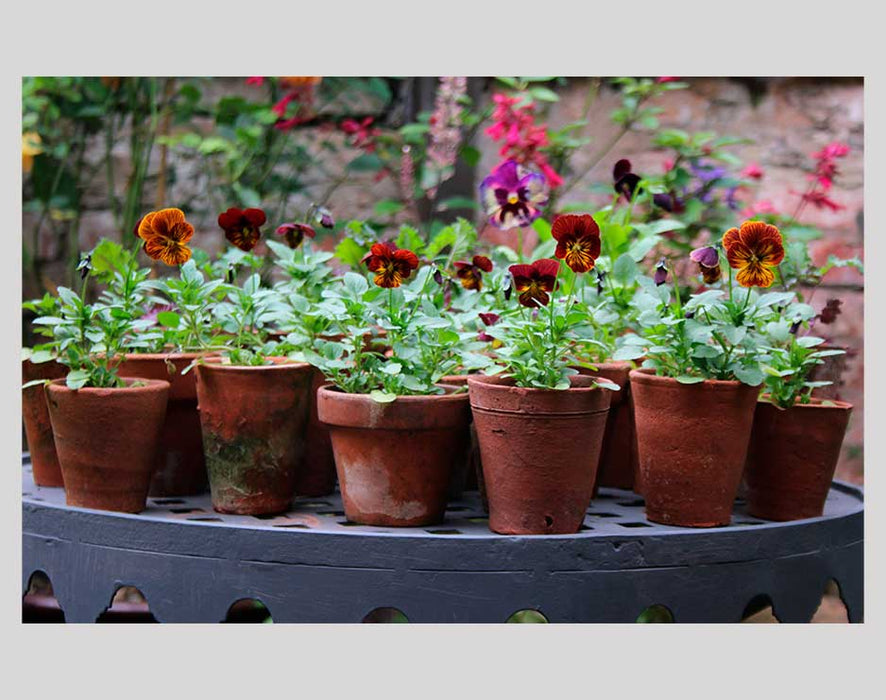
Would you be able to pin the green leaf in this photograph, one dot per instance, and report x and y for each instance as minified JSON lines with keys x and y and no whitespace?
{"x":388,"y":207}
{"x":366,"y":162}
{"x":660,"y":226}
{"x":170,"y":319}
{"x":686,"y":379}
{"x":380,"y":396}
{"x":355,"y":284}
{"x":752,"y":376}
{"x":471,"y":155}
{"x":410,"y":239}
{"x":457,"y":203}
{"x":809,"y":341}
{"x":625,"y":269}
{"x":629,"y":352}
{"x":76,"y":379}
{"x":543,"y":94}
{"x":543,"y":229}
{"x":350,"y":252}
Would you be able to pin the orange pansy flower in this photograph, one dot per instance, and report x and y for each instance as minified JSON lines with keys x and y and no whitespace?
{"x":166,"y":233}
{"x":753,"y":250}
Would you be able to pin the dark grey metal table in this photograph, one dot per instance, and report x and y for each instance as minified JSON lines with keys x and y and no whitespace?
{"x":311,"y":565}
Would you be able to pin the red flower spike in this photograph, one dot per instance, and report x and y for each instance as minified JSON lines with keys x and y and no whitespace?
{"x":533,"y":282}
{"x":390,"y":265}
{"x":242,"y":226}
{"x":578,"y":240}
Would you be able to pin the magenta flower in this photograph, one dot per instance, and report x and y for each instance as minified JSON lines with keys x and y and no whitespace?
{"x":513,"y":195}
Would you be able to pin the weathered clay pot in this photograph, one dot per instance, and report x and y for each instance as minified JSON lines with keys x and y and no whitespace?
{"x":253,"y":421}
{"x":618,"y":457}
{"x":830,"y":370}
{"x":106,"y":439}
{"x":465,"y":465}
{"x":692,"y":440}
{"x":317,"y":474}
{"x":38,"y":428}
{"x":180,"y":469}
{"x":395,"y":460}
{"x":540,"y":450}
{"x":792,"y":457}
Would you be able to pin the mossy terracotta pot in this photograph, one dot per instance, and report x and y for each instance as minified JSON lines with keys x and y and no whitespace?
{"x":692,"y":440}
{"x":253,"y":423}
{"x":106,"y":439}
{"x":464,"y":474}
{"x":540,"y":449}
{"x":792,"y":457}
{"x":317,"y":474}
{"x":38,"y":428}
{"x":180,"y":469}
{"x":618,"y":457}
{"x":395,"y":460}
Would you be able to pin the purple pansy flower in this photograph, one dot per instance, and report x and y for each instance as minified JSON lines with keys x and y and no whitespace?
{"x":661,"y":273}
{"x":513,"y":195}
{"x":708,"y":259}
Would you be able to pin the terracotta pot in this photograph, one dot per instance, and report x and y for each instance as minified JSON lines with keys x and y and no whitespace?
{"x":465,"y":465}
{"x":792,"y":457}
{"x":692,"y":440}
{"x":831,"y":370}
{"x":618,"y":456}
{"x":317,"y":475}
{"x":395,"y":460}
{"x":106,"y":440}
{"x":180,"y":469}
{"x":540,"y":450}
{"x":38,"y":428}
{"x":253,"y":421}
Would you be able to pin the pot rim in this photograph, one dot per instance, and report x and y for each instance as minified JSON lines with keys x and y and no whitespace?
{"x":609,"y":364}
{"x":330,"y":389}
{"x":485,"y":380}
{"x":149,"y":384}
{"x":645,"y":375}
{"x":170,"y":355}
{"x":280,"y":363}
{"x":816,"y":403}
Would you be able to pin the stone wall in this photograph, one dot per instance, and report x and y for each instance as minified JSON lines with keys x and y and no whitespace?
{"x":787,"y":119}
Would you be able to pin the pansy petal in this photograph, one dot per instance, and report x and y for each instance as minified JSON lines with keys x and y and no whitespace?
{"x":256,"y":217}
{"x":483,"y":263}
{"x":406,"y":257}
{"x":755,"y":275}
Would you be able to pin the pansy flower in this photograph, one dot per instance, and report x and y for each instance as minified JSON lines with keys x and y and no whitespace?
{"x":829,"y":313}
{"x":708,"y":260}
{"x":242,"y":226}
{"x":294,"y":234}
{"x":578,"y":240}
{"x":513,"y":195}
{"x":661,"y":273}
{"x":625,"y":180}
{"x":391,"y":265}
{"x":753,"y":250}
{"x":471,"y":274}
{"x":489,"y":319}
{"x":533,"y":282}
{"x":166,"y":234}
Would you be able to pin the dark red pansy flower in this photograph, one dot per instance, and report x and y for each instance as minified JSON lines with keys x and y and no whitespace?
{"x":578,"y":240}
{"x":669,"y":202}
{"x":708,"y":259}
{"x":830,"y":312}
{"x":471,"y":274}
{"x":391,"y":265}
{"x":242,"y":226}
{"x":625,"y":181}
{"x":533,"y":282}
{"x":489,"y":320}
{"x":661,"y":273}
{"x":294,"y":234}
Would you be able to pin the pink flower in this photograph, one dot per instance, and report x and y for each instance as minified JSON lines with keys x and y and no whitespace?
{"x":820,"y":200}
{"x":258,"y":81}
{"x":666,"y":79}
{"x":752,"y":171}
{"x":832,"y":150}
{"x":764,"y":206}
{"x":362,"y":133}
{"x":667,"y":165}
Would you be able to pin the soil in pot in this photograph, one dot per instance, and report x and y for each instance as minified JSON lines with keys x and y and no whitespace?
{"x":180,"y":469}
{"x":618,"y":456}
{"x":540,"y":449}
{"x":692,"y":440}
{"x":792,"y":457}
{"x":106,"y":439}
{"x":253,"y":421}
{"x":395,"y":460}
{"x":38,"y":428}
